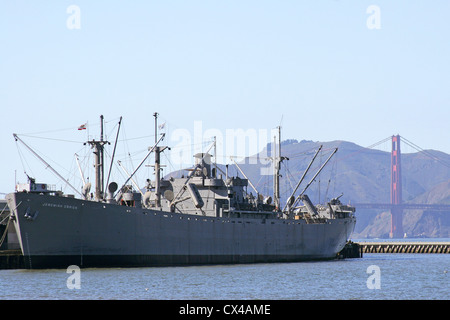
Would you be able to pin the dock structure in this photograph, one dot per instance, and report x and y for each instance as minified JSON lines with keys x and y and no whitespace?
{"x":350,"y":250}
{"x":11,"y":259}
{"x":405,"y":247}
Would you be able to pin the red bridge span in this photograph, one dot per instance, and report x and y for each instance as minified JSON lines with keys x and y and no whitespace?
{"x":396,"y":206}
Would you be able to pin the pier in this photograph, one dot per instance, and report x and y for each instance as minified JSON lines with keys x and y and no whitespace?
{"x":11,"y":259}
{"x":404,"y":247}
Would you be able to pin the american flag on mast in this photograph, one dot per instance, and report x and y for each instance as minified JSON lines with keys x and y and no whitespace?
{"x":82,"y":127}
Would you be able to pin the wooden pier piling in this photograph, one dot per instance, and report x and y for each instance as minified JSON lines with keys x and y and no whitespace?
{"x":11,"y":259}
{"x":404,"y":247}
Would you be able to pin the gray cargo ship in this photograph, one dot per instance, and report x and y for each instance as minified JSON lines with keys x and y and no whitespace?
{"x":206,"y":217}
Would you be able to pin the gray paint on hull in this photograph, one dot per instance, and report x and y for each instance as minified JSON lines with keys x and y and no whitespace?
{"x":90,"y":233}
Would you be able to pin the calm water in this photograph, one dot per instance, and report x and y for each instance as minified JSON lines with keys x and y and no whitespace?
{"x":401,"y":276}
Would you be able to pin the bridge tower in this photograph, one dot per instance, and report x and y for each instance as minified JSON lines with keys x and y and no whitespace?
{"x":396,"y":190}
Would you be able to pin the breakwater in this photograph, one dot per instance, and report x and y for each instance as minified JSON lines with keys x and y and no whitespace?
{"x":404,"y":247}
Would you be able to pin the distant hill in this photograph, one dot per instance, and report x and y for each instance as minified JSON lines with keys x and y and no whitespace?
{"x":362,"y":175}
{"x":416,"y":223}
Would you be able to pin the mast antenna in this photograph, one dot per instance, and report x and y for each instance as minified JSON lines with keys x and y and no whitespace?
{"x":156,"y":114}
{"x":99,"y":165}
{"x":114,"y":152}
{"x":277,"y":159}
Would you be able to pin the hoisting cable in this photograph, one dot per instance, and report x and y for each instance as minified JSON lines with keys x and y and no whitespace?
{"x":47,"y":164}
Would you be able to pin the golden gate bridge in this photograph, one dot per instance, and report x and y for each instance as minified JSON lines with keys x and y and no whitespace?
{"x":396,"y":205}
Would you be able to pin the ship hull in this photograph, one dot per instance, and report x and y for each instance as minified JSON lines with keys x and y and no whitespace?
{"x":55,"y":232}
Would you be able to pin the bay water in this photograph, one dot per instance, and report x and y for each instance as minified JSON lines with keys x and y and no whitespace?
{"x":372,"y":277}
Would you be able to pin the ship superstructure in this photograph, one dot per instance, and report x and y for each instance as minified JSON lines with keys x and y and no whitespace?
{"x":205,"y":217}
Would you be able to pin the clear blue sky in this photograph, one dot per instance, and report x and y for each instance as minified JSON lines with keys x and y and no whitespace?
{"x":313,"y":66}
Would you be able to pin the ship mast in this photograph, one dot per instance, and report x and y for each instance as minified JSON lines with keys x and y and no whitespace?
{"x":158,"y":151}
{"x":277,"y":159}
{"x":98,"y":147}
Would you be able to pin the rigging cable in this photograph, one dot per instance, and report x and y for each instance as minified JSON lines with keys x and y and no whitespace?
{"x":425,"y":152}
{"x":22,"y":160}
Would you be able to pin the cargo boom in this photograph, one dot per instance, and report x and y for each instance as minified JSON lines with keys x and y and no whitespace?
{"x":201,"y":219}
